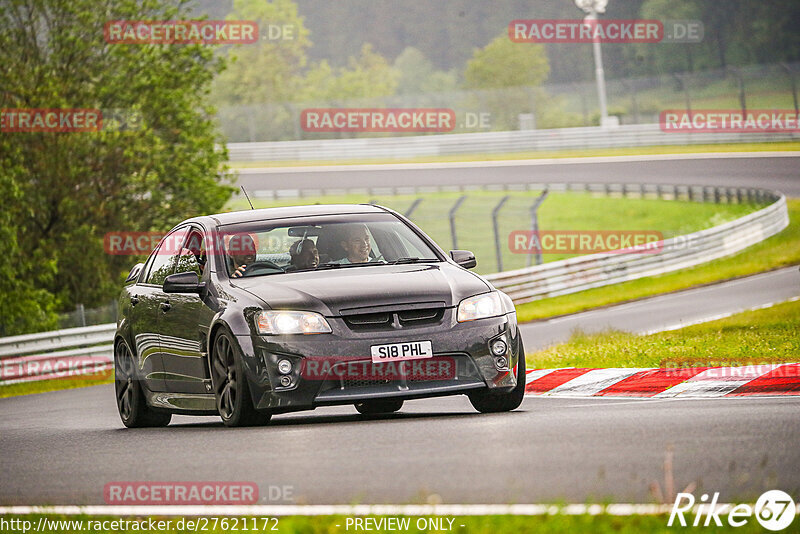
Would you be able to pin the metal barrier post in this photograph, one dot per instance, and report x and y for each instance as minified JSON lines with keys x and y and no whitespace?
{"x":412,"y":207}
{"x":497,"y":248}
{"x":452,"y":216}
{"x":535,"y":225}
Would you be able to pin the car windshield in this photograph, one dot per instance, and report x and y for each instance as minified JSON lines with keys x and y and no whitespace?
{"x":320,"y":243}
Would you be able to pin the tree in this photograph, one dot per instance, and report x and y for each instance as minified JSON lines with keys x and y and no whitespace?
{"x":368,"y":75}
{"x":504,"y":63}
{"x":269,"y":70}
{"x":418,"y":75}
{"x":68,"y":189}
{"x":508,"y":75}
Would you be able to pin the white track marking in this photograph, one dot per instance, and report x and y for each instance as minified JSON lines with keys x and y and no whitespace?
{"x":593,"y":381}
{"x":718,"y":381}
{"x":622,"y":509}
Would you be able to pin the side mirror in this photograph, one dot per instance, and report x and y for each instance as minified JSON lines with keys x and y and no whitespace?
{"x":464,"y":258}
{"x":187,"y":282}
{"x":135,"y":271}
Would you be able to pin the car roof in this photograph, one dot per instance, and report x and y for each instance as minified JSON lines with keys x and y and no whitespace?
{"x":285,"y":212}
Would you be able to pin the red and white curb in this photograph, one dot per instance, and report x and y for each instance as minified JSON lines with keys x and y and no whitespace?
{"x":749,"y":380}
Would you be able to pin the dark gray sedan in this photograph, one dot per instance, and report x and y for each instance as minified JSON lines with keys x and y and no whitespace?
{"x":255,"y":313}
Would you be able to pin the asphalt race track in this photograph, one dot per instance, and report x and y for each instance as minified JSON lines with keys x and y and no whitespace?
{"x":63,"y":447}
{"x":773,"y":172}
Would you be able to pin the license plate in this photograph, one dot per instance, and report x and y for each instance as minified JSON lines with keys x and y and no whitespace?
{"x":413,"y":350}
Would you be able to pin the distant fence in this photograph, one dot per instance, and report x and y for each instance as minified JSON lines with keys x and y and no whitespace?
{"x":487,"y":142}
{"x":77,"y":350}
{"x":68,"y":353}
{"x":596,"y":270}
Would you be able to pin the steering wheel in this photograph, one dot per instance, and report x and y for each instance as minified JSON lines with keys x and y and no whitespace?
{"x":254,"y":267}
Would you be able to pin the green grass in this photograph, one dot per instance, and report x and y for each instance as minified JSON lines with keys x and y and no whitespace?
{"x":782,"y":146}
{"x":42,"y":386}
{"x":780,"y":250}
{"x":560,"y":211}
{"x":558,"y":523}
{"x":770,"y":335}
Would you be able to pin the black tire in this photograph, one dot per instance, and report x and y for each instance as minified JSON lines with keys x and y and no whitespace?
{"x":486,"y":402}
{"x":131,"y":404}
{"x":379,"y":406}
{"x":231,"y":391}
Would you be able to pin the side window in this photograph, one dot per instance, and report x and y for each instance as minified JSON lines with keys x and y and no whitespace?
{"x":164,"y":257}
{"x":193,"y":254}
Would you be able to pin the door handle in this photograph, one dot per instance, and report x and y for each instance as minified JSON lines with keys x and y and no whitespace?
{"x":134,"y":300}
{"x":166,"y":306}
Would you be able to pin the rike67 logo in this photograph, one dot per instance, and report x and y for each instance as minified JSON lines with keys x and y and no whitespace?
{"x":774,"y":510}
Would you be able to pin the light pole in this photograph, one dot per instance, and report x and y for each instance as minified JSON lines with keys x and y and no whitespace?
{"x":592,"y":8}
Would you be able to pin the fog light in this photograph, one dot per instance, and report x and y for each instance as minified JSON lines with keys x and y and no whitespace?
{"x":286,"y":381}
{"x":284,"y":367}
{"x":500,"y":362}
{"x":499,"y":347}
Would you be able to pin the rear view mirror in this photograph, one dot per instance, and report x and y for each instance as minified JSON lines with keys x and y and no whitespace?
{"x":187,"y":282}
{"x":464,"y":258}
{"x":307,"y":231}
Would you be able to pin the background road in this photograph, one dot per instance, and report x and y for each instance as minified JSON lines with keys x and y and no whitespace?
{"x":670,"y":311}
{"x":781,"y":173}
{"x":63,"y":447}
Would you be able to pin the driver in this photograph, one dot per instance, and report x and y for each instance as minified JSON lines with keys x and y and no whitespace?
{"x":304,"y":254}
{"x":356,"y":244}
{"x":242,"y":250}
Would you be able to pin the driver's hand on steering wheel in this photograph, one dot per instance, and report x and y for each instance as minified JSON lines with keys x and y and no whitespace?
{"x":239,"y":271}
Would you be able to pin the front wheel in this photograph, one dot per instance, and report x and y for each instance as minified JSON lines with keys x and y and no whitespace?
{"x":131,"y":404}
{"x":230,"y":385}
{"x":379,"y":406}
{"x":486,"y":402}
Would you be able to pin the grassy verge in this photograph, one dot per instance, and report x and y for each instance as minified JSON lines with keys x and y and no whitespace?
{"x":42,"y":386}
{"x":558,"y":523}
{"x":577,"y":153}
{"x":777,"y":251}
{"x":770,"y":335}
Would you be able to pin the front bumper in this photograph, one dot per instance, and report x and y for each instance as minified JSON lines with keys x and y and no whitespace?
{"x":336,"y":368}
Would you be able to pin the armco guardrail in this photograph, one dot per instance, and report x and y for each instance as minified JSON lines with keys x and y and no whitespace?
{"x":486,"y":142}
{"x":596,"y":270}
{"x":78,"y":350}
{"x":72,"y":352}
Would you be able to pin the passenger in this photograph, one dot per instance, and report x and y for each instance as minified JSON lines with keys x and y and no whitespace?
{"x":242,"y":250}
{"x":356,"y":244}
{"x":304,"y":254}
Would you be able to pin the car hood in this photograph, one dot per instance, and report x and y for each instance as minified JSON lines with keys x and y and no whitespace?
{"x":356,"y":289}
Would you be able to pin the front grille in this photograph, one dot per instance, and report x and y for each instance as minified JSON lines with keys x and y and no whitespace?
{"x":363,"y":383}
{"x":385,"y":320}
{"x":369,"y":319}
{"x":430,"y":315}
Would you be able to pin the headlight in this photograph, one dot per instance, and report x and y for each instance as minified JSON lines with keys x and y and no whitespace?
{"x":480,"y":307}
{"x":277,"y":322}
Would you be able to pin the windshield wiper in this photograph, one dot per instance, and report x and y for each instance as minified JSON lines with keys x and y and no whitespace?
{"x":407,"y":260}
